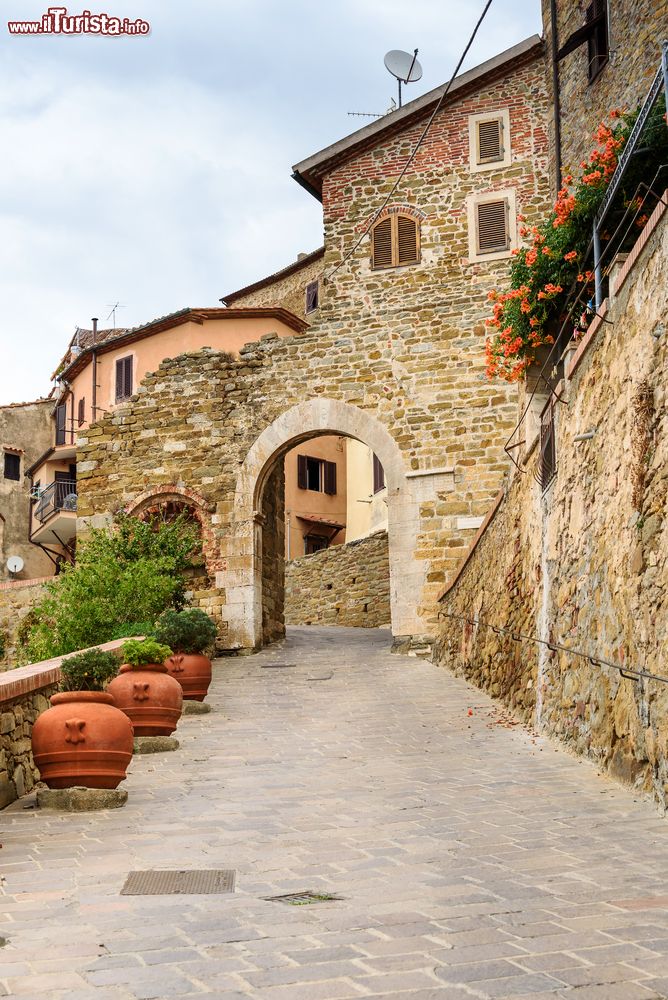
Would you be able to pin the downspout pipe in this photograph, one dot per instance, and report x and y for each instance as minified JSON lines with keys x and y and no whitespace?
{"x":94,"y":367}
{"x":556,"y":94}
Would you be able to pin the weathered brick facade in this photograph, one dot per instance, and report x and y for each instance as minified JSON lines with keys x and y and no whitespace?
{"x":343,"y":585}
{"x":395,"y":359}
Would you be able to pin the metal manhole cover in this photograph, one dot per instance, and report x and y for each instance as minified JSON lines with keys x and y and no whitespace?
{"x":158,"y":883}
{"x":277,"y":666}
{"x":303,"y":898}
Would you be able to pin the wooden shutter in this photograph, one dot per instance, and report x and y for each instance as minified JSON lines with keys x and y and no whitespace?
{"x":492,"y":226}
{"x":490,"y":140}
{"x":330,"y":478}
{"x":123,"y":378}
{"x":311,"y":296}
{"x":378,"y":475}
{"x":302,"y":477}
{"x":81,"y":412}
{"x":61,"y":420}
{"x":381,"y":238}
{"x":407,"y":240}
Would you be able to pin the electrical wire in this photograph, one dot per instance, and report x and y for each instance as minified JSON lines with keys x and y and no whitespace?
{"x":628,"y":673}
{"x":415,"y":151}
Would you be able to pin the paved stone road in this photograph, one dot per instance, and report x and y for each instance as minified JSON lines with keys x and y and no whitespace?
{"x":474,"y":860}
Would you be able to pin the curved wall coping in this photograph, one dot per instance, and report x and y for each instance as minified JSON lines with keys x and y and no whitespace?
{"x":24,"y":680}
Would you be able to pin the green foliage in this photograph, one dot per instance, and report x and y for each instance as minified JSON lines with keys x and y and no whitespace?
{"x":139,"y":652}
{"x":3,"y":644}
{"x":127,"y":630}
{"x":187,"y":631}
{"x":88,"y":671}
{"x":554,"y":257}
{"x":127,"y":575}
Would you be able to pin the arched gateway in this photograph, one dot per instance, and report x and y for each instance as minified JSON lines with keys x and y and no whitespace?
{"x":316,"y":417}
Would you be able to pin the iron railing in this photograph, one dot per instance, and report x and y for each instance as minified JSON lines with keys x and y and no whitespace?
{"x":61,"y":495}
{"x":548,"y":452}
{"x":581,"y":307}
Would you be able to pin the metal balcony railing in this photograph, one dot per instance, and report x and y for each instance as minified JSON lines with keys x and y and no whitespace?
{"x":61,"y":495}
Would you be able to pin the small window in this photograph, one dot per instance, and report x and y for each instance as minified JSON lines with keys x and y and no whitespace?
{"x":492,"y":226}
{"x":12,"y":466}
{"x":489,"y":140}
{"x":123,"y":379}
{"x":548,"y":453}
{"x":81,"y":411}
{"x":61,"y":423}
{"x":378,"y":475}
{"x":314,"y":543}
{"x":316,"y":474}
{"x":596,"y":18}
{"x":311,"y":297}
{"x":395,"y":242}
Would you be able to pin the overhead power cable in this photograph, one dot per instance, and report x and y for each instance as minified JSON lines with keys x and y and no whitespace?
{"x":416,"y":148}
{"x":628,"y":673}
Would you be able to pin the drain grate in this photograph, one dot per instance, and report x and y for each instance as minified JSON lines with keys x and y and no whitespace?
{"x":277,"y":666}
{"x":303,"y":898}
{"x":182,"y":883}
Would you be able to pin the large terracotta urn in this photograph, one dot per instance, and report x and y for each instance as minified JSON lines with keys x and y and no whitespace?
{"x":150,"y":698}
{"x":193,"y":672}
{"x":83,"y":739}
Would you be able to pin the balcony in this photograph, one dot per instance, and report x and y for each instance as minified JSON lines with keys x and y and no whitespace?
{"x":54,"y":516}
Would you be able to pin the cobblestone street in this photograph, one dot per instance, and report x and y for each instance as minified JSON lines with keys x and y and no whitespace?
{"x":473,"y":859}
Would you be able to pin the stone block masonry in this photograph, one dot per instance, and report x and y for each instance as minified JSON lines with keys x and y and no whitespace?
{"x":586,"y":564}
{"x":394,"y":358}
{"x":343,"y":585}
{"x":16,"y":601}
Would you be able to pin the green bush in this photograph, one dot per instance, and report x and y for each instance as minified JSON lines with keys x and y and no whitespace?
{"x":88,"y":671}
{"x":187,"y":631}
{"x":128,"y":630}
{"x":139,"y":652}
{"x":122,"y":576}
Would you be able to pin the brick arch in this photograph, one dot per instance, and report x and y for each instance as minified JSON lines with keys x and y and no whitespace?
{"x":201,"y":509}
{"x":316,"y":417}
{"x":396,"y":209}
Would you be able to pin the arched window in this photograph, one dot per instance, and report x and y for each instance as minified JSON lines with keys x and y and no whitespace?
{"x":395,"y":241}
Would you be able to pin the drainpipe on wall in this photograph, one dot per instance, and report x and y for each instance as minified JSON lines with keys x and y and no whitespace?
{"x":555,"y":91}
{"x":94,"y":365}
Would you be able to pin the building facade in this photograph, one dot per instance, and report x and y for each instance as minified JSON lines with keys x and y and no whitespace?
{"x":395,"y":359}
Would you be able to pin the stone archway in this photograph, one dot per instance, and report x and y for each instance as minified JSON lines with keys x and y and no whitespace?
{"x":242,"y":579}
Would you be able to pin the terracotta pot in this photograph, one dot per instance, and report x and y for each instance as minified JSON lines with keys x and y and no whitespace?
{"x":150,"y":698}
{"x":193,"y":672}
{"x":83,"y":739}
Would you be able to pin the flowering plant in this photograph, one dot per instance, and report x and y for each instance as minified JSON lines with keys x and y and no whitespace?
{"x":553,"y":258}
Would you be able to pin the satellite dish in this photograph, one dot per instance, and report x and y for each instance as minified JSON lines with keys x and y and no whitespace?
{"x":15,"y":564}
{"x":404,"y":66}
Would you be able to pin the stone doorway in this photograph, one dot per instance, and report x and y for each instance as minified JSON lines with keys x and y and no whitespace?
{"x":255,"y":587}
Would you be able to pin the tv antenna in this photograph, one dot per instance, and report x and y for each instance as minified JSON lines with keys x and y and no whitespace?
{"x":114,"y":307}
{"x":404,"y":66}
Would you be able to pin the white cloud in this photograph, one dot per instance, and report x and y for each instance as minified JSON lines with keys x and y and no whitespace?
{"x":156,"y":171}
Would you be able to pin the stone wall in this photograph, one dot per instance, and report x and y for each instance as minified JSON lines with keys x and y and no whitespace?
{"x":26,"y":429}
{"x":586,"y":565}
{"x":395,"y":359}
{"x":16,"y":600}
{"x":24,"y":694}
{"x":636,"y":30}
{"x":342,"y":585}
{"x":273,"y":556}
{"x":285,"y":290}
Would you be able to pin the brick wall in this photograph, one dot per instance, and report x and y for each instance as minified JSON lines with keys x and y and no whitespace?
{"x":342,"y":585}
{"x":587,"y":564}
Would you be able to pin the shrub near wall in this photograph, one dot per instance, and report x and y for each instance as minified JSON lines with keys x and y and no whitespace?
{"x":343,"y":585}
{"x":16,"y":600}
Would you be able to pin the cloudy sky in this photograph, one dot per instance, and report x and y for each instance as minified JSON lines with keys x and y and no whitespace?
{"x":154,"y":171}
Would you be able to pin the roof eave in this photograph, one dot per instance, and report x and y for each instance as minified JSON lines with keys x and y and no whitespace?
{"x":309,"y":172}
